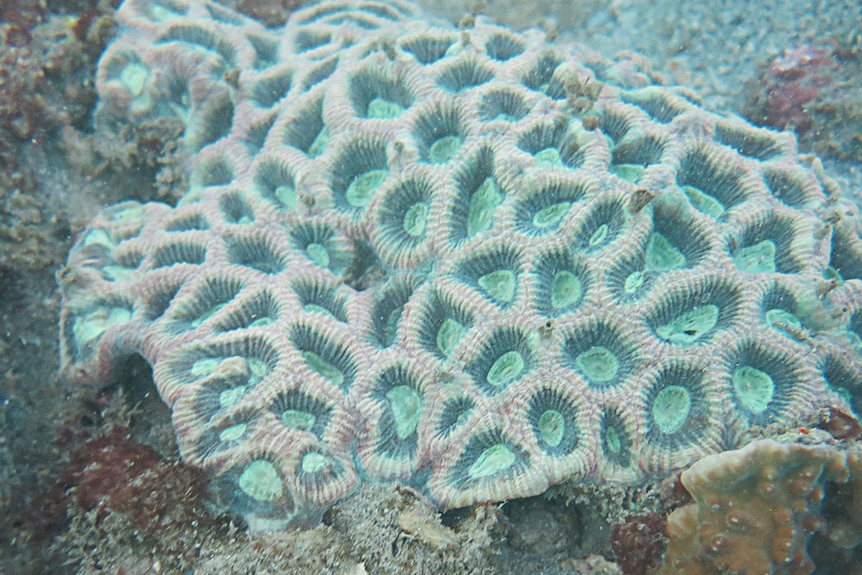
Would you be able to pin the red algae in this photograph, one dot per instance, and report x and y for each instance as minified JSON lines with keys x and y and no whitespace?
{"x":114,"y":473}
{"x":639,"y":543}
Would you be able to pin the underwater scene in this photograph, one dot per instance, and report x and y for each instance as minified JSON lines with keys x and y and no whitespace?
{"x":431,"y":286}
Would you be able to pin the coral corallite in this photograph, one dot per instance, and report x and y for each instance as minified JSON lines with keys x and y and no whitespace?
{"x":468,"y":261}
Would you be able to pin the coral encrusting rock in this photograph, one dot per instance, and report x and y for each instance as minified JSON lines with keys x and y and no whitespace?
{"x":467,"y":261}
{"x":756,"y":509}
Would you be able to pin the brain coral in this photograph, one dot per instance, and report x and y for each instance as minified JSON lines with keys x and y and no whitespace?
{"x":468,"y":261}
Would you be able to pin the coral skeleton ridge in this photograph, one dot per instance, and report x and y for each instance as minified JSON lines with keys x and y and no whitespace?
{"x":465,"y":260}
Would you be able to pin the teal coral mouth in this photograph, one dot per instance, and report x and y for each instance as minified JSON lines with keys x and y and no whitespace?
{"x":404,"y":256}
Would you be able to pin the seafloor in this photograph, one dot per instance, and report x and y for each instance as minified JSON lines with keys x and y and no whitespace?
{"x":64,"y":450}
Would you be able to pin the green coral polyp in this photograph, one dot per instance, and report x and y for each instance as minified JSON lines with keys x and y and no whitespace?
{"x":754,"y":388}
{"x":500,"y":285}
{"x":670,"y":408}
{"x":783,"y":321}
{"x":757,"y":258}
{"x":391,"y":330}
{"x":298,"y":420}
{"x":260,"y":480}
{"x":552,"y":215}
{"x":286,"y":196}
{"x":162,"y":14}
{"x":318,"y":254}
{"x":599,"y":236}
{"x":363,"y":186}
{"x":130,"y":213}
{"x":483,"y":202}
{"x":690,"y":326}
{"x":233,"y":432}
{"x":313,"y":462}
{"x":257,"y":368}
{"x":99,"y":237}
{"x":384,"y":109}
{"x":319,"y":144}
{"x":703,"y":202}
{"x":448,"y":336}
{"x":566,"y":290}
{"x":492,"y":461}
{"x":506,"y":369}
{"x":134,"y":78}
{"x":552,"y":427}
{"x":205,"y":367}
{"x":405,"y":404}
{"x":598,"y":363}
{"x":415,"y":220}
{"x":548,"y":158}
{"x":202,"y":316}
{"x":314,"y":308}
{"x":628,"y":172}
{"x":89,"y":327}
{"x":662,"y":255}
{"x":634,"y":282}
{"x":612,"y":441}
{"x":323,"y":368}
{"x":261,"y":322}
{"x":444,"y":149}
{"x":230,"y":396}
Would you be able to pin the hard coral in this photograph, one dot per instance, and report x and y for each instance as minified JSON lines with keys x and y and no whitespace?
{"x":756,"y":509}
{"x":462,"y":260}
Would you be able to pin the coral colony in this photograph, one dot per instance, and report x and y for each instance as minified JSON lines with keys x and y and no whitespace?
{"x":755,"y":510}
{"x":469,"y":261}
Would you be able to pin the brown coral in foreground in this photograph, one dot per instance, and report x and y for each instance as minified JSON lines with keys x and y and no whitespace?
{"x":756,"y":509}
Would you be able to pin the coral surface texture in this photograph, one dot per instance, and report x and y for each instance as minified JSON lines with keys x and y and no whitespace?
{"x":756,"y":509}
{"x":469,"y":261}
